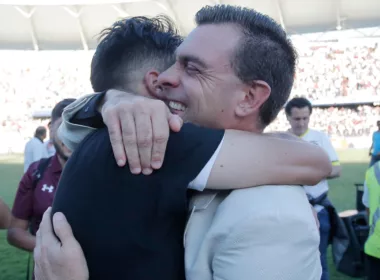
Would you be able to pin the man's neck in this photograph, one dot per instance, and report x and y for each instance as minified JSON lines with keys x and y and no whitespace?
{"x":290,"y":130}
{"x":61,"y":161}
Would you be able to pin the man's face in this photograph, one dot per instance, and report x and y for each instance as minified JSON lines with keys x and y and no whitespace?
{"x":299,"y":120}
{"x":201,"y":86}
{"x":62,"y":151}
{"x":378,"y":125}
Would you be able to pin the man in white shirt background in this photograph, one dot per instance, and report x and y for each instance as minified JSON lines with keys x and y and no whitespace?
{"x":298,"y":111}
{"x":49,"y":145}
{"x":35,"y":148}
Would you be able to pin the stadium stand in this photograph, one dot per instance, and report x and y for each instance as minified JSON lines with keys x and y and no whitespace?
{"x":340,"y":77}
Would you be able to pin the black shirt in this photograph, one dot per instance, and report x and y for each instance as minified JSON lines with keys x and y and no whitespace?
{"x":131,"y":226}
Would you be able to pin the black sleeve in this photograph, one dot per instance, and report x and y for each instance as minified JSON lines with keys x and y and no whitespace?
{"x":89,"y":115}
{"x":131,"y":226}
{"x":193,"y":147}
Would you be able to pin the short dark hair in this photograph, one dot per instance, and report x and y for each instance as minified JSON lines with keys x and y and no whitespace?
{"x":57,"y":111}
{"x":264,"y":53}
{"x":40,"y":132}
{"x":131,"y":45}
{"x":298,"y":102}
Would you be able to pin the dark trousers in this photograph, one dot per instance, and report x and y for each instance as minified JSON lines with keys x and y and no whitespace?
{"x":373,"y":268}
{"x":324,"y":230}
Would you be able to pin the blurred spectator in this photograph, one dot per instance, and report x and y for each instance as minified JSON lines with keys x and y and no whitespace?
{"x":37,"y":188}
{"x":338,"y":121}
{"x":374,"y":151}
{"x":35,"y":148}
{"x":49,"y":145}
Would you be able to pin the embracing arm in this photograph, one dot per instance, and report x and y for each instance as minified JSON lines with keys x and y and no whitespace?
{"x":248,"y":159}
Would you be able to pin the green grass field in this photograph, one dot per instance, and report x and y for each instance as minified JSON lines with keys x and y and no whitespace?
{"x":13,"y":261}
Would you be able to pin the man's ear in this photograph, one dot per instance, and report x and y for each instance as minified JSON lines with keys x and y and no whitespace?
{"x":150,"y":81}
{"x":254,"y":97}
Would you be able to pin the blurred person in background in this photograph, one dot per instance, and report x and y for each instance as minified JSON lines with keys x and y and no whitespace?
{"x":374,"y":151}
{"x":35,"y":148}
{"x":371,"y":200}
{"x":298,"y":111}
{"x":49,"y":144}
{"x":37,"y":188}
{"x":5,"y":215}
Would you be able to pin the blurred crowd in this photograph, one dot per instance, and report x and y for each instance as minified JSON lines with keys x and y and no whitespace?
{"x":36,"y":81}
{"x":331,"y":72}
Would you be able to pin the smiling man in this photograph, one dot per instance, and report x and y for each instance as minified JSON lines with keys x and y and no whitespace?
{"x":131,"y":227}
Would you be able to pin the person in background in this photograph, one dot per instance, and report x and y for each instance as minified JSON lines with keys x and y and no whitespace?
{"x":371,"y":200}
{"x":298,"y":111}
{"x":35,"y":148}
{"x":49,"y":145}
{"x":5,"y":215}
{"x":37,"y":188}
{"x":374,"y":151}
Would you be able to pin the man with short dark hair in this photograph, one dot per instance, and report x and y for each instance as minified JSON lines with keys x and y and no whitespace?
{"x":35,"y":149}
{"x":298,"y":112}
{"x":224,"y":164}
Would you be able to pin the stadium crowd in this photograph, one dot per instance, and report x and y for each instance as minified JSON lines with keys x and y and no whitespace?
{"x":332,"y":71}
{"x":31,"y":82}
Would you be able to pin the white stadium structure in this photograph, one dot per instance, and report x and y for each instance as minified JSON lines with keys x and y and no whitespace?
{"x":46,"y":48}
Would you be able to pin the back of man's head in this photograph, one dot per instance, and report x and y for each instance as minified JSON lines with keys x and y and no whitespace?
{"x":40,"y":132}
{"x":57,"y":111}
{"x":264,"y":53}
{"x":297,"y":102}
{"x":131,"y":47}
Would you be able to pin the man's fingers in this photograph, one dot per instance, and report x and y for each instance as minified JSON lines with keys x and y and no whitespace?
{"x":113,"y":124}
{"x":45,"y":233}
{"x":175,"y":122}
{"x":62,"y":228}
{"x":160,"y":139}
{"x":144,"y":140}
{"x":128,"y":128}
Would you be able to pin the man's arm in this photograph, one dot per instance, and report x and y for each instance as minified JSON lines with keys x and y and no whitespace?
{"x":245,"y":157}
{"x":5,"y":215}
{"x":18,"y":234}
{"x":58,"y":259}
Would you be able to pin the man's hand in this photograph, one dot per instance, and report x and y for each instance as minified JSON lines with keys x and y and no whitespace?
{"x":58,"y":259}
{"x":139,"y":129}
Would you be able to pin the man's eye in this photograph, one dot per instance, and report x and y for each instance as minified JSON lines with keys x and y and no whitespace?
{"x":191,"y":69}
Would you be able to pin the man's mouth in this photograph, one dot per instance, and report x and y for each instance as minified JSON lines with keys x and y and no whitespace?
{"x":176,"y":106}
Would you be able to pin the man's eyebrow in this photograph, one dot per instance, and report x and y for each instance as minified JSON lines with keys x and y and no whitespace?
{"x":191,"y":58}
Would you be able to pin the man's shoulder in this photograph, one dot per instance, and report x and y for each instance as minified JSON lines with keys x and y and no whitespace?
{"x":264,"y":200}
{"x":265,"y":206}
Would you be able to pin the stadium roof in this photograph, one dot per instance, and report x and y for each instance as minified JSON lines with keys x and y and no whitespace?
{"x":74,"y":24}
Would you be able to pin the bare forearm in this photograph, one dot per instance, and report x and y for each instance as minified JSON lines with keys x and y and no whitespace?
{"x":248,"y":159}
{"x":22,"y":239}
{"x":5,"y":215}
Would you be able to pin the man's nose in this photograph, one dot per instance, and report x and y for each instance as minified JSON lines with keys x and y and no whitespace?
{"x":170,"y":78}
